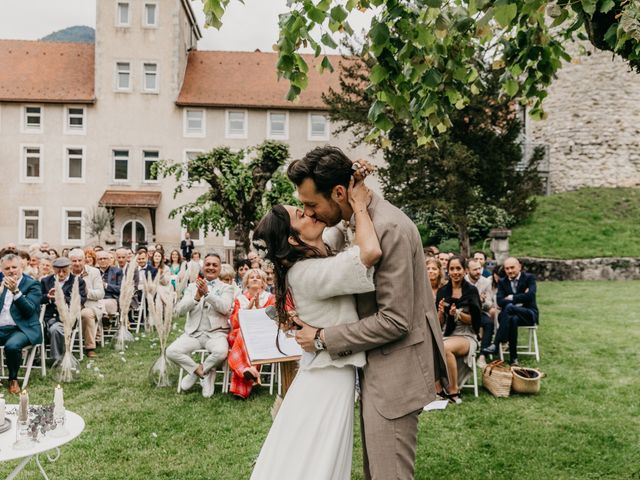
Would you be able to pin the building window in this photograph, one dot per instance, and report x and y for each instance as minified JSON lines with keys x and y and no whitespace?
{"x":150,"y":77}
{"x":318,"y":127}
{"x":150,"y":15}
{"x":74,"y":164}
{"x":122,"y":14}
{"x":123,"y":76}
{"x":236,"y":124}
{"x":188,"y":156}
{"x":121,"y":165}
{"x":31,"y":170}
{"x":73,"y":226}
{"x":151,"y":158}
{"x":278,"y":125}
{"x":32,"y":119}
{"x":29,"y":224}
{"x":74,"y":120}
{"x":194,"y":123}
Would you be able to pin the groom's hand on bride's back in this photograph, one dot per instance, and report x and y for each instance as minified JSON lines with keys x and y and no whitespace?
{"x":306,"y":336}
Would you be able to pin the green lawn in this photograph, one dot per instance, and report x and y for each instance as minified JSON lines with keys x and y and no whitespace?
{"x":590,"y":222}
{"x":585,"y":424}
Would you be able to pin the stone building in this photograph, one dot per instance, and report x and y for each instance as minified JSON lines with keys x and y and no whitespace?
{"x":82,"y":124}
{"x":592,"y":133}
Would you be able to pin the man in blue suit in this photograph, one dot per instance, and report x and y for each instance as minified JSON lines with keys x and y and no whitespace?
{"x":19,"y":310}
{"x":517,"y":299}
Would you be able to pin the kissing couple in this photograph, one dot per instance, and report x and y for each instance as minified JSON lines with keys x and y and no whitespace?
{"x":362,"y":308}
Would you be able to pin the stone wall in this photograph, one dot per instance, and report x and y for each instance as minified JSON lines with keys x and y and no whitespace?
{"x":622,"y":268}
{"x":593,"y":127}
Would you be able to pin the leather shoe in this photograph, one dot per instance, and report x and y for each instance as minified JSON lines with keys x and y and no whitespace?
{"x":91,"y":354}
{"x":491,"y":349}
{"x":14,"y":387}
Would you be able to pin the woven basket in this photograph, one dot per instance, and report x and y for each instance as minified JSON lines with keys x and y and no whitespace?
{"x":526,"y":380}
{"x":497,"y":378}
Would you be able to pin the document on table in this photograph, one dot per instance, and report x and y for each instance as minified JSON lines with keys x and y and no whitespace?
{"x":259,"y":333}
{"x":436,"y":405}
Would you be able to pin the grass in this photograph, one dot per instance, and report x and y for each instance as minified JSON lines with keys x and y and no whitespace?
{"x":586,"y":223}
{"x":585,"y":423}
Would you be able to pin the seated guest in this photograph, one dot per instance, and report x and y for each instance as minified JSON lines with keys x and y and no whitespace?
{"x":435,"y":275}
{"x":121,"y":258}
{"x":207,"y":303}
{"x":111,"y":281}
{"x":483,"y":284}
{"x":227,"y":275}
{"x":267,"y":268}
{"x":34,"y":262}
{"x":44,"y":247}
{"x":53,"y":253}
{"x":19,"y":311}
{"x":481,"y":257}
{"x":195,"y":257}
{"x":93,"y":309}
{"x":459,"y":312}
{"x":517,"y":300}
{"x":174,"y":266}
{"x":244,"y":375}
{"x":53,"y":324}
{"x":64,"y":253}
{"x":241,"y":267}
{"x":45,"y":267}
{"x":90,"y":258}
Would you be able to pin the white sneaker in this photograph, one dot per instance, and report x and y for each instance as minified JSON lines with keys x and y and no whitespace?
{"x":188,"y":382}
{"x":208,"y":383}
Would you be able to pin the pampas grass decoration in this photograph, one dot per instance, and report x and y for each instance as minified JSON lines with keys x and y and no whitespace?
{"x":150,"y":289}
{"x":127,"y":291}
{"x":160,"y":373}
{"x":67,"y":368}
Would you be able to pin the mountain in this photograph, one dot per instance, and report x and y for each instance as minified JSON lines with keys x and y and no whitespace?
{"x":78,"y":34}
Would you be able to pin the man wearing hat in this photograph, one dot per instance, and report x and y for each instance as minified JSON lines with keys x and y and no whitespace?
{"x":54,"y":327}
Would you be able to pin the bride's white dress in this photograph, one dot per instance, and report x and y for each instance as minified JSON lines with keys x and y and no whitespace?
{"x":312,"y":435}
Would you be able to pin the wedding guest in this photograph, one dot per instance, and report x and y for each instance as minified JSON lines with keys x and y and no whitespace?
{"x":267,"y":268}
{"x":44,"y":247}
{"x":244,"y":375}
{"x":187,"y":246}
{"x":483,"y":284}
{"x":435,"y":275}
{"x":90,"y":257}
{"x":241,"y":267}
{"x":517,"y":299}
{"x":175,"y":264}
{"x":459,"y":311}
{"x":45,"y":268}
{"x":65,"y":253}
{"x":195,"y":257}
{"x":93,"y":309}
{"x":121,"y":258}
{"x":207,"y":303}
{"x":112,"y":281}
{"x":20,"y":298}
{"x":481,"y":257}
{"x":54,"y":327}
{"x":53,"y":253}
{"x":227,"y":275}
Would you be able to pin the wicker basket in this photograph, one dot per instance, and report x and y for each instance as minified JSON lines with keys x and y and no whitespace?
{"x":526,"y":380}
{"x":497,"y":378}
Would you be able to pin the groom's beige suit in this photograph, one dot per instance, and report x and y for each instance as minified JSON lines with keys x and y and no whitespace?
{"x":399,"y":330}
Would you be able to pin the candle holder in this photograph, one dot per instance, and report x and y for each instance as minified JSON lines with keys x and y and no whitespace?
{"x":59,"y":417}
{"x":23,"y":439}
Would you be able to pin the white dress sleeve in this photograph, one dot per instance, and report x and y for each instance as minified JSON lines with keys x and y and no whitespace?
{"x":327,"y":277}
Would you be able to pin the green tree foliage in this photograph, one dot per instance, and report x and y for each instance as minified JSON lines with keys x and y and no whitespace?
{"x":425,"y":50}
{"x":467,"y":184}
{"x":243,"y":185}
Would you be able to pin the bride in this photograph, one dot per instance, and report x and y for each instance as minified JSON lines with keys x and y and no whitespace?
{"x":312,"y":436}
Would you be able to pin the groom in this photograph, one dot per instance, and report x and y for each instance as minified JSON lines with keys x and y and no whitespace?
{"x":398,"y":323}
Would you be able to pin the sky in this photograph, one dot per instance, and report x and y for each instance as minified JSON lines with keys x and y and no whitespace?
{"x":245,"y":26}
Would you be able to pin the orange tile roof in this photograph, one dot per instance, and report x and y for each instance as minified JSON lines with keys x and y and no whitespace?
{"x":130,"y":198}
{"x":34,"y":71}
{"x":248,"y":79}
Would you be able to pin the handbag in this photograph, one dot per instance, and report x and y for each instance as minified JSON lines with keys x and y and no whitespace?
{"x":497,"y":378}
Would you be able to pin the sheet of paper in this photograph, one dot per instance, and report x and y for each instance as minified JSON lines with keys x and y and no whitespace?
{"x":436,"y":405}
{"x":259,"y":333}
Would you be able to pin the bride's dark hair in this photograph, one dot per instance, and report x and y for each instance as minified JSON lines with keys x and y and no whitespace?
{"x":272,"y":234}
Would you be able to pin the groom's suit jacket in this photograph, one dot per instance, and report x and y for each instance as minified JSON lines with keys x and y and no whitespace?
{"x":398,"y":325}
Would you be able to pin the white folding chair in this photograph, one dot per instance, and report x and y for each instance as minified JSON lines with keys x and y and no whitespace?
{"x":474,"y":376}
{"x":271,"y":377}
{"x":226,"y":376}
{"x":530,"y":348}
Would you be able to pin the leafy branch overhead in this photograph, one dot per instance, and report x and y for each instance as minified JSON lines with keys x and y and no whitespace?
{"x":242,"y":185}
{"x":424,"y":50}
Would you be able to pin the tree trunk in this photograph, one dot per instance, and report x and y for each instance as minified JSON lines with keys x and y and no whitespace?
{"x":242,"y":239}
{"x":463,"y":240}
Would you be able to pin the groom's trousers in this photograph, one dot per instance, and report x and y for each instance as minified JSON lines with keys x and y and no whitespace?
{"x":388,"y":446}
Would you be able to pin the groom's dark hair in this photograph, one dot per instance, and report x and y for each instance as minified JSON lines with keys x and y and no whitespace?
{"x":326,"y":166}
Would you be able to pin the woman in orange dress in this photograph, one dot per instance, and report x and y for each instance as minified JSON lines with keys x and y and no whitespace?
{"x":243,"y":374}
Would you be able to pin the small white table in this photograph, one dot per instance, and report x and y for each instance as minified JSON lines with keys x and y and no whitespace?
{"x":74,"y":425}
